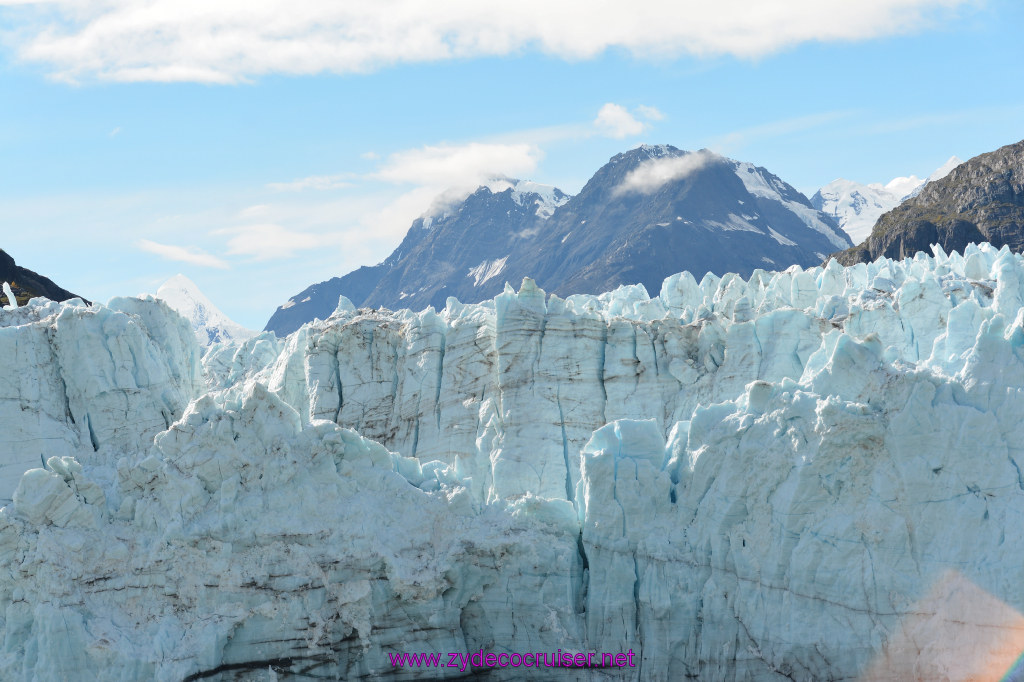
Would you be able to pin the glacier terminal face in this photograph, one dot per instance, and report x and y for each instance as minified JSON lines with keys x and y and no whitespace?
{"x":811,"y":474}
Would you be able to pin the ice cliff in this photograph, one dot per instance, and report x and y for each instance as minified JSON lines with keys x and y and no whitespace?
{"x":813,"y":474}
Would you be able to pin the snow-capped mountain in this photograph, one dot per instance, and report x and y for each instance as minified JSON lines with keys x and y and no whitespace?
{"x":210,"y":324}
{"x":856,"y":206}
{"x":811,"y":475}
{"x":646,"y":214}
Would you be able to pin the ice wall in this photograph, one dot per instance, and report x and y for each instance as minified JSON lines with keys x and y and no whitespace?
{"x":507,"y":392}
{"x":809,"y":475}
{"x":94,"y":383}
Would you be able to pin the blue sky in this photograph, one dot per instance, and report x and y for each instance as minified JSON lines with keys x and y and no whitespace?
{"x":258,"y":147}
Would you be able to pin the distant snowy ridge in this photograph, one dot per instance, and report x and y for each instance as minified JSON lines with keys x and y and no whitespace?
{"x":802,"y":475}
{"x":210,"y":324}
{"x":857,"y":207}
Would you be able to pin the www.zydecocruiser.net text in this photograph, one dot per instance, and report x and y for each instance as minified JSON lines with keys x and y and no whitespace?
{"x":531,"y":659}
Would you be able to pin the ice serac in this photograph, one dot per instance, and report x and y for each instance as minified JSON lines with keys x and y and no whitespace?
{"x":812,"y":474}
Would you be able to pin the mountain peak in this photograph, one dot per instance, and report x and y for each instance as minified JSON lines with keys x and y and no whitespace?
{"x":528,"y":193}
{"x":655,"y":151}
{"x":644,"y":152}
{"x":209,"y":323}
{"x":546,"y":198}
{"x":178,"y":283}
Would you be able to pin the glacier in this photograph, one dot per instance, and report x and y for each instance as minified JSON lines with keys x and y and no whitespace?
{"x":810,"y":474}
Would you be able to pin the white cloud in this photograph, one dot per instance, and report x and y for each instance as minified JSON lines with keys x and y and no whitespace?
{"x":442,"y":175}
{"x":774,"y":129}
{"x":181,"y":253}
{"x":116,"y":131}
{"x":269,"y":241}
{"x":445,"y":165}
{"x":650,"y":113}
{"x":651,"y":175}
{"x":233,"y":40}
{"x":361,"y":226}
{"x":394,"y":218}
{"x":445,"y":174}
{"x":317,"y":182}
{"x":615,"y":121}
{"x":254,"y":211}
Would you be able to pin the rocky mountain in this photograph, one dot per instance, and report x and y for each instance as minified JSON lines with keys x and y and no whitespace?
{"x":26,"y":284}
{"x":209,"y":323}
{"x":981,"y":200}
{"x":856,"y":206}
{"x":459,"y":251}
{"x":648,"y":213}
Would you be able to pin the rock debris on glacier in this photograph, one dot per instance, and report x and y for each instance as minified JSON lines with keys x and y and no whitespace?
{"x":798,"y":476}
